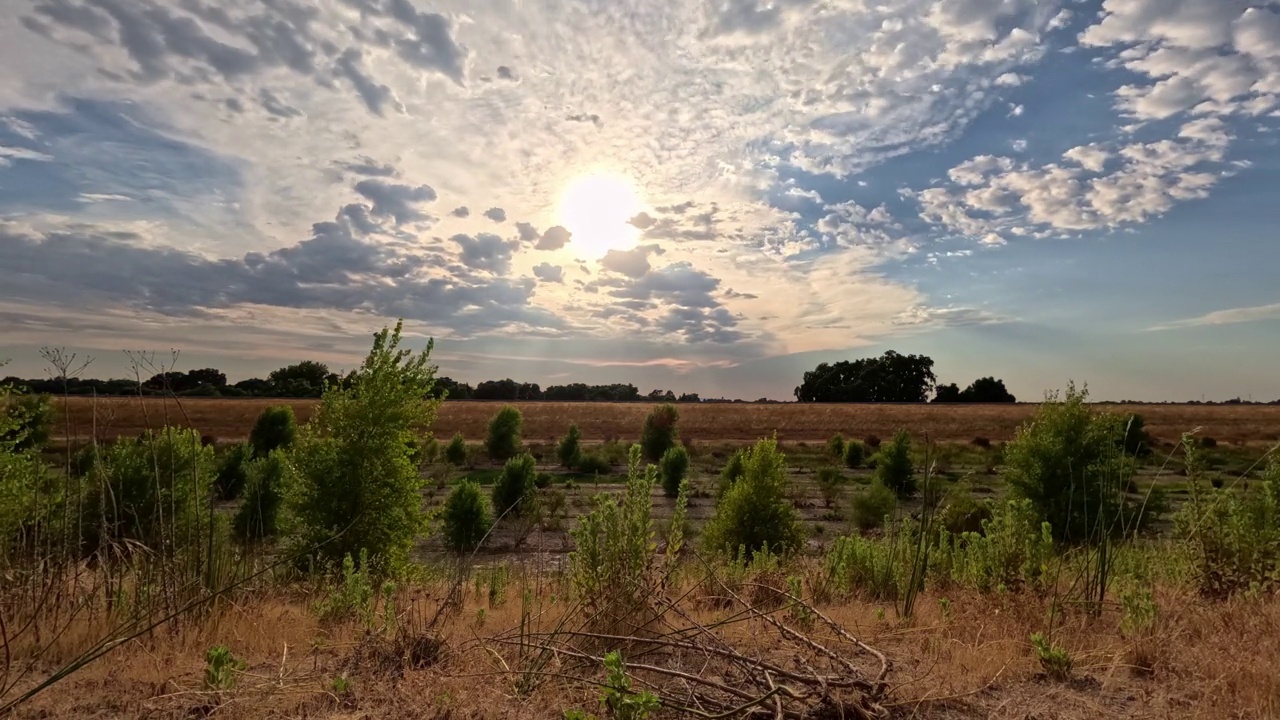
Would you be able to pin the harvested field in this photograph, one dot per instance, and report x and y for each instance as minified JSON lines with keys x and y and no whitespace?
{"x":230,"y":419}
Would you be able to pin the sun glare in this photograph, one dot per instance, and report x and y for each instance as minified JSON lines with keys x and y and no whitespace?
{"x":596,"y":208}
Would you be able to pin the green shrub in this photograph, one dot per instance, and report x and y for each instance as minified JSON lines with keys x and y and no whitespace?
{"x":879,"y":568}
{"x":871,"y":506}
{"x":623,"y":702}
{"x":732,"y":472}
{"x":356,"y":487}
{"x":85,"y":460}
{"x":154,"y":492}
{"x":593,"y":464}
{"x":30,"y":495}
{"x":259,"y":513}
{"x":1067,"y":462}
{"x":1054,"y":659}
{"x":963,"y":513}
{"x":893,"y":466}
{"x":515,"y":487}
{"x":352,"y":596}
{"x":830,"y":480}
{"x":672,"y":469}
{"x":1134,"y":438}
{"x":835,"y":446}
{"x":1012,"y":552}
{"x":570,"y":447}
{"x":29,"y":421}
{"x":755,"y":512}
{"x":466,"y":517}
{"x":503,"y":439}
{"x":221,"y":668}
{"x":233,"y":471}
{"x":275,"y":428}
{"x":455,"y":453}
{"x":659,"y":433}
{"x":854,"y":454}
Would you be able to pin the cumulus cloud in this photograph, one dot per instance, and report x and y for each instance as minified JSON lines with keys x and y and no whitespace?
{"x":461,"y":212}
{"x":496,"y":214}
{"x":528,"y":233}
{"x":633,"y":263}
{"x":554,"y":238}
{"x":364,"y":165}
{"x":486,"y":251}
{"x":395,"y":200}
{"x":547,"y":272}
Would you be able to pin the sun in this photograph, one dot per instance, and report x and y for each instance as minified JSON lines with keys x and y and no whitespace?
{"x":596,"y":208}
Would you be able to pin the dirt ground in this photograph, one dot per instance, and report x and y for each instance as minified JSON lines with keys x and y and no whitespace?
{"x":231,"y":419}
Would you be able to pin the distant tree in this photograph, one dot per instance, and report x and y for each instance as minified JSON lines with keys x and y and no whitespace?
{"x":454,"y":390}
{"x":987,"y":390}
{"x":689,"y":398}
{"x":506,"y":389}
{"x":949,"y":393}
{"x":207,"y":376}
{"x":661,"y":395}
{"x":308,"y":374}
{"x":889,"y":378}
{"x":529,"y":391}
{"x":574,"y":392}
{"x":253,"y":386}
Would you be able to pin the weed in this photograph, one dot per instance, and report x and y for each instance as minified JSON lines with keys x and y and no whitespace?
{"x":1054,"y":659}
{"x":622,"y":701}
{"x":353,"y":596}
{"x":221,"y":668}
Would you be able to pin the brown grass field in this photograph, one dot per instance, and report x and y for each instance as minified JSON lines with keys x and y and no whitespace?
{"x":231,"y":419}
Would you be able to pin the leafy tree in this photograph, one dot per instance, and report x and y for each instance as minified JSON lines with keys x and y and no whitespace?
{"x":987,"y":390}
{"x":507,"y":389}
{"x":754,"y":513}
{"x":456,"y":451}
{"x":949,"y":393}
{"x":233,"y":471}
{"x":356,"y":485}
{"x":275,"y":428}
{"x":308,"y":372}
{"x":210,"y":377}
{"x":689,"y":398}
{"x":661,"y":396}
{"x":452,"y":389}
{"x":515,"y":488}
{"x":1066,"y":461}
{"x":503,"y":440}
{"x":254,"y":387}
{"x":888,"y":378}
{"x":893,"y":466}
{"x":570,"y":447}
{"x":673,"y":468}
{"x":259,"y":513}
{"x":466,"y":517}
{"x":659,"y":433}
{"x":30,"y":419}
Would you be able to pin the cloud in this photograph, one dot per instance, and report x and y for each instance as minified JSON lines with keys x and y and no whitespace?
{"x":1232,"y":316}
{"x":429,"y":42}
{"x":633,"y":263}
{"x":496,"y":214}
{"x":528,"y":233}
{"x":375,"y":95}
{"x":1091,"y":157}
{"x":395,"y":200}
{"x":554,"y":238}
{"x":547,"y":272}
{"x":461,"y":212}
{"x":364,"y":165}
{"x":486,"y":251}
{"x":506,"y":73}
{"x":10,"y":154}
{"x":584,"y":118}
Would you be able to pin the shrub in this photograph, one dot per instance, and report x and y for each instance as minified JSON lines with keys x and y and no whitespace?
{"x":659,"y":433}
{"x":353,"y":596}
{"x":570,"y":447}
{"x":854,"y":454}
{"x":466,"y":517}
{"x":878,"y":567}
{"x":1012,"y":551}
{"x":1135,"y":439}
{"x":355,"y":485}
{"x":835,"y":446}
{"x":153,"y":491}
{"x":732,"y":471}
{"x":672,"y":469}
{"x":872,"y":441}
{"x":221,"y":668}
{"x":1067,"y":462}
{"x":259,"y":514}
{"x":893,"y":466}
{"x":456,"y":451}
{"x":1054,"y":659}
{"x":755,"y":513}
{"x":30,"y":495}
{"x":515,"y":487}
{"x":593,"y":464}
{"x":503,"y":440}
{"x":964,"y":513}
{"x":275,"y":428}
{"x":233,"y":471}
{"x":29,"y":421}
{"x":829,"y":482}
{"x":871,"y":506}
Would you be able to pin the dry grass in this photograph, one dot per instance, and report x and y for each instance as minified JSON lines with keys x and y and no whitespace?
{"x":1212,"y":661}
{"x":231,"y":419}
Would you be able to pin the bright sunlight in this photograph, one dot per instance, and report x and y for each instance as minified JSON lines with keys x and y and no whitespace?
{"x":596,"y":208}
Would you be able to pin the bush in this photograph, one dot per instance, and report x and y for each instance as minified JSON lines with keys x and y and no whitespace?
{"x":659,"y":433}
{"x":878,"y":567}
{"x":755,"y":513}
{"x":829,"y":482}
{"x":570,"y":447}
{"x":672,"y":469}
{"x":964,"y":513}
{"x":30,"y":495}
{"x":233,"y":471}
{"x":466,"y":517}
{"x":275,"y":428}
{"x":835,"y":446}
{"x":1012,"y":551}
{"x":854,"y":454}
{"x":356,"y":487}
{"x":456,"y":451}
{"x":153,"y":492}
{"x":593,"y":464}
{"x":871,"y":506}
{"x":893,"y":466}
{"x":1135,"y":440}
{"x":503,"y":440}
{"x":514,"y":490}
{"x":1067,"y":462}
{"x":259,"y":514}
{"x":29,"y":421}
{"x":732,"y":471}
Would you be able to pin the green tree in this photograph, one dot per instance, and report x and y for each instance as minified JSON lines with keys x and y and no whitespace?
{"x":356,"y":485}
{"x":456,"y":451}
{"x":275,"y":428}
{"x":673,"y":468}
{"x":570,"y":447}
{"x":30,"y":418}
{"x":259,"y":513}
{"x":755,"y":513}
{"x":503,"y":440}
{"x":894,"y":468}
{"x":515,"y":488}
{"x":659,"y":433}
{"x":854,"y":454}
{"x":466,"y":517}
{"x":888,"y":378}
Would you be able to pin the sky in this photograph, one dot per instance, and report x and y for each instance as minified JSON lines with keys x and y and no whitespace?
{"x":709,"y":196}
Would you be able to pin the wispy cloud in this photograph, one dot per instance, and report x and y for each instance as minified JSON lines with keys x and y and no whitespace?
{"x":1233,"y":316}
